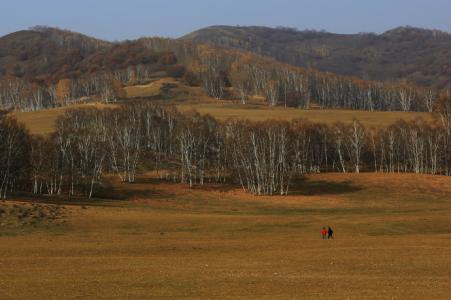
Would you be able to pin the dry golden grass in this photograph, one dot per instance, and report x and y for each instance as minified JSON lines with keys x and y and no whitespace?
{"x":147,"y":90}
{"x":43,"y":121}
{"x":393,"y":239}
{"x":225,"y":110}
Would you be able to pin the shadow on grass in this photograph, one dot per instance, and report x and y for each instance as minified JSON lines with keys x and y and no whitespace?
{"x":304,"y":187}
{"x":217,"y":187}
{"x":146,"y":188}
{"x":300,"y":186}
{"x":209,"y":185}
{"x":105,"y":195}
{"x":142,"y":188}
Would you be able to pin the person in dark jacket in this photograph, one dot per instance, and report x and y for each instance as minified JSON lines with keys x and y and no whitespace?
{"x":330,"y":233}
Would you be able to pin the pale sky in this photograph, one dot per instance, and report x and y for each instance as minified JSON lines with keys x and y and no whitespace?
{"x":119,"y":19}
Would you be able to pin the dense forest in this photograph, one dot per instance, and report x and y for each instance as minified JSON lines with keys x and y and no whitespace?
{"x":189,"y":148}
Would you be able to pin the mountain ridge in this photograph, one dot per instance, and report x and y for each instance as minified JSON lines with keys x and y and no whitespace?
{"x":421,"y":56}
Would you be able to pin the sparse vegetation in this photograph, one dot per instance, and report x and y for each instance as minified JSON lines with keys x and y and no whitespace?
{"x":22,"y":217}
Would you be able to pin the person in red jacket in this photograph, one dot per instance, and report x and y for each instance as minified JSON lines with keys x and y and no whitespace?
{"x":324,"y":233}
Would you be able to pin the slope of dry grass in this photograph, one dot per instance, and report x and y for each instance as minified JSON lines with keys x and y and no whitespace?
{"x":223,"y":111}
{"x":147,"y":90}
{"x":393,"y":239}
{"x":43,"y":121}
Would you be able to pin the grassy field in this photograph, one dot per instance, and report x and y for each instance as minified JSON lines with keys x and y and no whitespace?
{"x":147,"y":90}
{"x":223,"y":111}
{"x":162,"y":241}
{"x":43,"y":121}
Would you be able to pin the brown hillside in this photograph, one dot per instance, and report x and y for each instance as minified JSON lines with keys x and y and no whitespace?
{"x":41,"y":53}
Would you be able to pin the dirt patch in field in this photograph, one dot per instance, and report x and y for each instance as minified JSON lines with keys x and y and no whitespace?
{"x":18,"y":215}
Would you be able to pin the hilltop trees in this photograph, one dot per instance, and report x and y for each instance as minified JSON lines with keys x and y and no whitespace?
{"x":271,"y":91}
{"x":213,"y":70}
{"x":241,"y":80}
{"x":75,"y":68}
{"x":251,"y":75}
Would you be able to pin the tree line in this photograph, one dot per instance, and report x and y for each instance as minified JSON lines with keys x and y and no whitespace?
{"x":228,"y":73}
{"x":195,"y":149}
{"x":102,"y":86}
{"x":19,"y":94}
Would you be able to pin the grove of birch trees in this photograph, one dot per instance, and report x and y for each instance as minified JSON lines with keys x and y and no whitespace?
{"x":264,"y":158}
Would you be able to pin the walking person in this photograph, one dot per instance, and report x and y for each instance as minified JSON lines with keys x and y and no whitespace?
{"x":330,"y":233}
{"x":324,"y":233}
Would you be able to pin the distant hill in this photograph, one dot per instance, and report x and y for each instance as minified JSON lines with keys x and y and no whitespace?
{"x":418,"y":55}
{"x":43,"y":53}
{"x":46,"y":67}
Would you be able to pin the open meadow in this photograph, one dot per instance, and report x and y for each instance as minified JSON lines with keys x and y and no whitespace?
{"x":159,"y":240}
{"x":223,"y":111}
{"x":42,"y":122}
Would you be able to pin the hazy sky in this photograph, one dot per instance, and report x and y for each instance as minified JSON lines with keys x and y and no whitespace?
{"x":128,"y":19}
